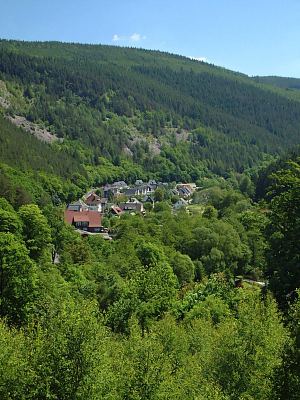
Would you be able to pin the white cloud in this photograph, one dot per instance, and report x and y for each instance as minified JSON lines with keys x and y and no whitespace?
{"x":135,"y":37}
{"x":202,"y":59}
{"x":116,"y":38}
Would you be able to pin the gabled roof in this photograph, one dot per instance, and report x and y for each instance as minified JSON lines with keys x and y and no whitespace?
{"x":182,"y":190}
{"x":188,"y":186}
{"x":181,"y":203}
{"x":93,"y":218}
{"x":93,"y":198}
{"x":130,"y":191}
{"x":117,"y":210}
{"x":119,"y":184}
{"x":148,"y":198}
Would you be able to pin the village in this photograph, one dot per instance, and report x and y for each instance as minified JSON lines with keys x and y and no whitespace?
{"x":118,"y":198}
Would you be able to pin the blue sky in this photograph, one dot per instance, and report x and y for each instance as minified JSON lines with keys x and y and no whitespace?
{"x":254,"y":37}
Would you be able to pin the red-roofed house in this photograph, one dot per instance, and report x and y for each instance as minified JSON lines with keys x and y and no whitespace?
{"x":90,"y":221}
{"x":115,"y":210}
{"x":94,"y":202}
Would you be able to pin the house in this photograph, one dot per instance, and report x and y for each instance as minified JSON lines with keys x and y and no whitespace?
{"x":190,"y":187}
{"x":120,"y":185}
{"x":114,"y":189}
{"x":78,"y":206}
{"x":180,"y":204}
{"x":131,"y":192}
{"x":110,"y":191}
{"x":186,"y":189}
{"x":89,"y":221}
{"x":137,"y":191}
{"x":115,"y":210}
{"x":183,"y":192}
{"x":152,"y":182}
{"x":132,"y":205}
{"x":148,"y":199}
{"x":93,"y":201}
{"x":96,"y":203}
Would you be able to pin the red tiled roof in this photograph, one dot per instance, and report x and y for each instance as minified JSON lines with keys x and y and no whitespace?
{"x":80,"y":217}
{"x":92,"y":217}
{"x":117,"y":210}
{"x":93,"y":198}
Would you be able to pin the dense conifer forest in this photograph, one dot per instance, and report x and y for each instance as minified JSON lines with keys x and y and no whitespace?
{"x":199,"y":303}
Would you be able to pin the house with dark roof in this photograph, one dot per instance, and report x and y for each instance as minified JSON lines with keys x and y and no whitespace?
{"x":132,"y":205}
{"x":120,"y":184}
{"x":152,"y":182}
{"x":131,"y":192}
{"x":137,"y":190}
{"x":89,"y":221}
{"x":148,"y":199}
{"x":110,"y":191}
{"x":185,"y":189}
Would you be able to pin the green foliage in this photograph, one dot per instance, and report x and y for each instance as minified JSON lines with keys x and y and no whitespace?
{"x":183,"y":267}
{"x":250,"y":350}
{"x":17,"y":279}
{"x":16,"y":374}
{"x":149,"y":292}
{"x":9,"y":222}
{"x":283,"y":260}
{"x":288,"y":382}
{"x":36,"y":231}
{"x":22,"y":150}
{"x":125,"y":319}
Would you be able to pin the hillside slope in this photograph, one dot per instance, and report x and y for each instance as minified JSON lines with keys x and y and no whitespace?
{"x":156,"y":113}
{"x":279,"y":81}
{"x":291,"y":86}
{"x":31,"y":170}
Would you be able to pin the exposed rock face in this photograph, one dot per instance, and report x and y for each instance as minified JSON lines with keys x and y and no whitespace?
{"x":4,"y":96}
{"x":40,"y":133}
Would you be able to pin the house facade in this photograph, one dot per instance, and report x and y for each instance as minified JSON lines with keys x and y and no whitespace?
{"x":132,"y":205}
{"x":181,"y":203}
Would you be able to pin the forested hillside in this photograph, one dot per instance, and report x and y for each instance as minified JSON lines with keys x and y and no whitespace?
{"x":31,"y":170}
{"x":132,"y":106}
{"x":282,"y":82}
